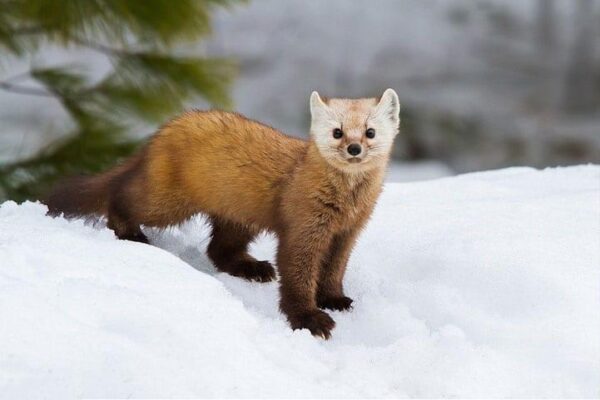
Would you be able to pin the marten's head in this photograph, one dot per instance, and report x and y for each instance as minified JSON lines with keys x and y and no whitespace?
{"x":355,"y":135}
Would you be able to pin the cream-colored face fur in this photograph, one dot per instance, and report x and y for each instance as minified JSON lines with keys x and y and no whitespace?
{"x":354,"y":117}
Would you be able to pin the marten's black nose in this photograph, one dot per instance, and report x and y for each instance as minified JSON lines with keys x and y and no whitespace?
{"x":354,"y":149}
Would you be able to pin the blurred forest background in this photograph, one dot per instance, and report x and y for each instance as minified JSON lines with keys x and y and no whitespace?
{"x":483,"y":83}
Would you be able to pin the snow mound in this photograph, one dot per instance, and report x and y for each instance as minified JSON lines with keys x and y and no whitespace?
{"x":485,"y":284}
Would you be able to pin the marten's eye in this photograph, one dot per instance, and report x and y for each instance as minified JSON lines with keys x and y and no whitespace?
{"x":338,"y":133}
{"x":370,"y":133}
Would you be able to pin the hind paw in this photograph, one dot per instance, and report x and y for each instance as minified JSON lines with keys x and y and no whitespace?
{"x":252,"y":270}
{"x":135,"y":237}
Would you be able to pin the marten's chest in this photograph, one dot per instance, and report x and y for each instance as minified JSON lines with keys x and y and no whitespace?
{"x":346,"y":205}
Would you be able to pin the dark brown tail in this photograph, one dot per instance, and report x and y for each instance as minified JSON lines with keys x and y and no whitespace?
{"x":79,"y":196}
{"x":87,"y":195}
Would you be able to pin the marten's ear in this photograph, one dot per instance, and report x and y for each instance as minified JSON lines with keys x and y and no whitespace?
{"x":317,"y":106}
{"x":389,"y":106}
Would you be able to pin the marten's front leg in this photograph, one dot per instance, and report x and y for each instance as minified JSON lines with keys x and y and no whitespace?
{"x":330,"y":292}
{"x":301,"y":250}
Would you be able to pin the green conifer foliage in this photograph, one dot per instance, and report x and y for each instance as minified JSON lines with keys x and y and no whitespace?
{"x":149,"y":78}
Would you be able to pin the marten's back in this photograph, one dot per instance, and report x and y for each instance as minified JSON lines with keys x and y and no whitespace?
{"x":218,"y":163}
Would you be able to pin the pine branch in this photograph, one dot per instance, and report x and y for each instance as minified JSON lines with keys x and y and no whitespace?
{"x":146,"y":83}
{"x":102,"y":48}
{"x":11,"y":87}
{"x":29,"y":30}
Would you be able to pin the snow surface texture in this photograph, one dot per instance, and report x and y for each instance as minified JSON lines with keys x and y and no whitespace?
{"x":485,"y":284}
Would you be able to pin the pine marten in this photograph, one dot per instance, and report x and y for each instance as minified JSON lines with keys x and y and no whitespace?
{"x":247,"y":177}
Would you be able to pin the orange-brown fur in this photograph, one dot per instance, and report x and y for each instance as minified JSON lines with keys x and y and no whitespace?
{"x":246,"y":177}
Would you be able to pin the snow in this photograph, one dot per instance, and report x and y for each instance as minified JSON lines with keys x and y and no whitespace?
{"x":486,"y":284}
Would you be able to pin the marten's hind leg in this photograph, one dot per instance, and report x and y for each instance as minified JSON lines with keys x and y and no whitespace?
{"x":228,"y":250}
{"x":125,"y":230}
{"x":121,"y":219}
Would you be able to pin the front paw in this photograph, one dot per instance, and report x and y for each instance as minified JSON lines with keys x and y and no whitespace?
{"x":339,"y":303}
{"x":318,"y":322}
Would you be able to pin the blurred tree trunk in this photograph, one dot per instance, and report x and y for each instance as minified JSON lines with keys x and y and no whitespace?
{"x":579,"y":95}
{"x":550,"y":65}
{"x":545,"y":26}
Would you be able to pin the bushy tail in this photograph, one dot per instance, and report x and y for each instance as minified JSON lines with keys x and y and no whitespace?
{"x":79,"y":196}
{"x":87,"y":195}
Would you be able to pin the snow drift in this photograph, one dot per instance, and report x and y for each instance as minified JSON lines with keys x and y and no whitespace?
{"x":485,"y":284}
